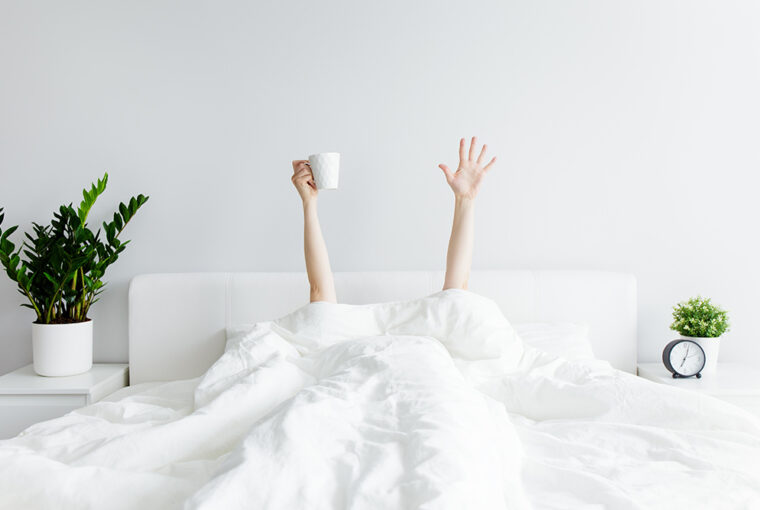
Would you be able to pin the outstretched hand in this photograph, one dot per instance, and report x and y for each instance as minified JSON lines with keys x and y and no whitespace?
{"x":303,"y":180}
{"x":465,"y":182}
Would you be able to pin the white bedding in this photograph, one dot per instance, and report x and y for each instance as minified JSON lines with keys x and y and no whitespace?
{"x":564,"y":339}
{"x":432,"y":403}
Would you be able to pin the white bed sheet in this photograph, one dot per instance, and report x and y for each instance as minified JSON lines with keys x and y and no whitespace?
{"x":431,"y":403}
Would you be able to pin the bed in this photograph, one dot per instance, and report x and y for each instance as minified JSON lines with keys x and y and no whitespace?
{"x":429,"y":399}
{"x":166,"y":342}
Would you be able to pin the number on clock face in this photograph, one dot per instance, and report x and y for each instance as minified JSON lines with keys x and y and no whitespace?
{"x":687,"y":358}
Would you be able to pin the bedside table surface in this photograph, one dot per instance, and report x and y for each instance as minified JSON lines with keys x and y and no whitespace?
{"x":728,"y":379}
{"x":25,"y":382}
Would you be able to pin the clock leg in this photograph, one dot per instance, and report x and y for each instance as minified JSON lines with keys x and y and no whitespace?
{"x":699,"y":376}
{"x":675,"y":376}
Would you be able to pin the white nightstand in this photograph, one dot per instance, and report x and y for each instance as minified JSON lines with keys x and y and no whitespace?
{"x":27,"y":398}
{"x":733,"y":382}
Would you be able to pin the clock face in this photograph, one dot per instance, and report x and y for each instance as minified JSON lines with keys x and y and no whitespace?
{"x":687,"y":358}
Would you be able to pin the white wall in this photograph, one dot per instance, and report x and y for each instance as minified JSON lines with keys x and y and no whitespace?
{"x":627,"y":131}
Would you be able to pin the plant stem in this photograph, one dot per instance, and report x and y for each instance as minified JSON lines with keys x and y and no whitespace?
{"x":84,"y":297}
{"x":36,"y":308}
{"x":72,"y":311}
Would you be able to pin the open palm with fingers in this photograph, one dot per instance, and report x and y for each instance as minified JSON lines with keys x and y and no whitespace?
{"x":465,"y":182}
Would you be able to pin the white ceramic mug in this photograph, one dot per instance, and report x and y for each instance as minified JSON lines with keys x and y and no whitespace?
{"x":325,"y":167}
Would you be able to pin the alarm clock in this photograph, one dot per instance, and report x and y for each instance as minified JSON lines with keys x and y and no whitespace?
{"x":684,"y":358}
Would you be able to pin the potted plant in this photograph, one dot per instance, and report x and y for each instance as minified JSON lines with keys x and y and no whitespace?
{"x":59,"y":268}
{"x":702,"y":322}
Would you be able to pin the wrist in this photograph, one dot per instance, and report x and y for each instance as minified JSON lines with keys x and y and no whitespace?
{"x":464,"y":201}
{"x":310,"y":204}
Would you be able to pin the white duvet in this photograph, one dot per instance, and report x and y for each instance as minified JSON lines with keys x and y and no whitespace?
{"x":433,"y":403}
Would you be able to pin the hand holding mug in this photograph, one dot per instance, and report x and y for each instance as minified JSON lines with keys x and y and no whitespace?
{"x":303,"y":180}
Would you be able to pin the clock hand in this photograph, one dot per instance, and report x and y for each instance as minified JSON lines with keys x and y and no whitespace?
{"x":686,"y":356}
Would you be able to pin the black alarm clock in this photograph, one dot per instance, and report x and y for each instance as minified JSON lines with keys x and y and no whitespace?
{"x":684,"y":358}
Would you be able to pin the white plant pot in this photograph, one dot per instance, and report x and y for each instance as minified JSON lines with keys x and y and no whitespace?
{"x":711,"y":346}
{"x":62,"y":349}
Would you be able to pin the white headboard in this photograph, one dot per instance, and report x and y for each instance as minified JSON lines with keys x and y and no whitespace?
{"x":177,"y":321}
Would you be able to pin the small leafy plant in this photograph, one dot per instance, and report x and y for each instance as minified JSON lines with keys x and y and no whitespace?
{"x":61,"y":272}
{"x":700,"y":318}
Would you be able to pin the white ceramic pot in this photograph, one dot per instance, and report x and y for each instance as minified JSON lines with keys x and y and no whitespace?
{"x":62,"y":349}
{"x":326,"y":167}
{"x":711,"y":346}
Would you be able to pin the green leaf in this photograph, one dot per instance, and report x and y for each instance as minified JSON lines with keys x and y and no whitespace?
{"x":21,"y":277}
{"x":102,"y":183}
{"x":89,"y":198}
{"x":8,"y":232}
{"x":117,"y":221}
{"x":50,"y":278}
{"x":6,"y":246}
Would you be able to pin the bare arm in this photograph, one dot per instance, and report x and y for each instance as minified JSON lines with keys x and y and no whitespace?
{"x":465,"y":183}
{"x":321,"y":285}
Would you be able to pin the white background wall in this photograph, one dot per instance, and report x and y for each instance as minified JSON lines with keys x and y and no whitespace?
{"x":627,"y":132}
